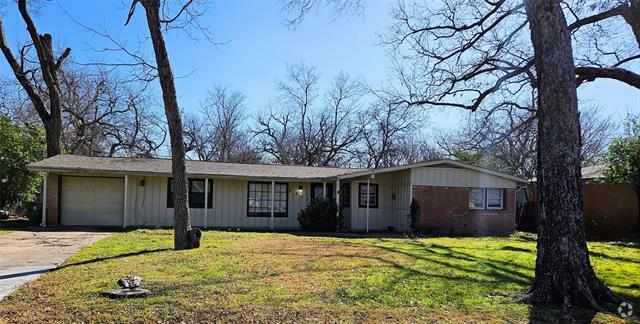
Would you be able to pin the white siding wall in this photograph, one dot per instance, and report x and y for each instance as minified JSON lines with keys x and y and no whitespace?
{"x":456,"y":177}
{"x":390,"y":212}
{"x":148,"y":205}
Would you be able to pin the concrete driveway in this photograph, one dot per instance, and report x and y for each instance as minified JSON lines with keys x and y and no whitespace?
{"x":25,"y":255}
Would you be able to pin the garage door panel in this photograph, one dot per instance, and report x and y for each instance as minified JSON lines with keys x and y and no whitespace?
{"x":92,"y":201}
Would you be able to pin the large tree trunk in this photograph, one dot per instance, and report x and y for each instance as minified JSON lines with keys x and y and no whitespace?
{"x":53,"y":133}
{"x":185,"y":237}
{"x":49,"y":66}
{"x":563,"y":273}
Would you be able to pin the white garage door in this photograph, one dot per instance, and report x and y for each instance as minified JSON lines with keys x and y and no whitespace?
{"x":92,"y":201}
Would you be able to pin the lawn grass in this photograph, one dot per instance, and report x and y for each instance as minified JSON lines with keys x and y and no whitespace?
{"x":288,"y":277}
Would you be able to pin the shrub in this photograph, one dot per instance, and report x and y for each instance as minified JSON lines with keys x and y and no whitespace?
{"x":320,"y":215}
{"x":414,"y":214}
{"x":19,"y":146}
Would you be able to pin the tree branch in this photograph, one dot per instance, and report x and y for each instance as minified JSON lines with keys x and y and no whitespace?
{"x":21,"y":75}
{"x":623,"y":75}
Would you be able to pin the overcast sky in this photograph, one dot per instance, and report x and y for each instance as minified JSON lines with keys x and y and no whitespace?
{"x":257,"y":47}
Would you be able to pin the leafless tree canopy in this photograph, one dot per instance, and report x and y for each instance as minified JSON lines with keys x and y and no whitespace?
{"x":102,"y":115}
{"x":477,"y":54}
{"x":390,"y":136}
{"x":303,"y":128}
{"x":105,"y":115}
{"x":507,"y":141}
{"x":296,"y":10}
{"x":219,"y":133}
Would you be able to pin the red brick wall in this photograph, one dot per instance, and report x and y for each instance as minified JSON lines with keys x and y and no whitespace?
{"x":446,"y":210}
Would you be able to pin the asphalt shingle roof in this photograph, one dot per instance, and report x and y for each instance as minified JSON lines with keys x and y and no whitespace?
{"x":85,"y":164}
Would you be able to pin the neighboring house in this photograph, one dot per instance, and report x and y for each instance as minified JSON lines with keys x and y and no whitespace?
{"x":454,"y":197}
{"x":609,"y":209}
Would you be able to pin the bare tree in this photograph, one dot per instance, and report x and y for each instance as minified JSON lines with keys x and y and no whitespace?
{"x":14,"y":104}
{"x":388,"y":136}
{"x":221,"y":135}
{"x":596,"y":133}
{"x":563,"y":270}
{"x":105,"y":115}
{"x":158,"y":17}
{"x":480,"y":55}
{"x":296,"y":10}
{"x":102,"y":114}
{"x":506,"y":141}
{"x":301,"y":131}
{"x":29,"y":71}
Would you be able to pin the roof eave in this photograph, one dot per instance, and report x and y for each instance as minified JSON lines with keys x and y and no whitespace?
{"x":165,"y":174}
{"x":431,"y":163}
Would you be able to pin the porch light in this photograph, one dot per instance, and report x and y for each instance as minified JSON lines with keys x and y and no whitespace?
{"x":142,"y":183}
{"x":300,"y":191}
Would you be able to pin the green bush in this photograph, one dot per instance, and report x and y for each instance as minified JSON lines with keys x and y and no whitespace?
{"x":320,"y":216}
{"x":19,"y":146}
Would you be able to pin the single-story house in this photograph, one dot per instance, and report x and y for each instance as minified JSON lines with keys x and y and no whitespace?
{"x":454,"y":197}
{"x":609,"y":209}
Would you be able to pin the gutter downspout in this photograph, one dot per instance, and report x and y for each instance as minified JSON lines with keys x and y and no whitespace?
{"x":44,"y":200}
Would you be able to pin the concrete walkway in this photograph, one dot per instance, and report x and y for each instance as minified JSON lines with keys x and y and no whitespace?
{"x":25,"y":255}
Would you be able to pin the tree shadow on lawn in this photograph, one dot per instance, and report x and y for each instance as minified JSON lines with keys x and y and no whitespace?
{"x":124,"y":255}
{"x":532,"y":251}
{"x":538,"y":313}
{"x":371,"y":294}
{"x":501,"y":271}
{"x":349,"y":235}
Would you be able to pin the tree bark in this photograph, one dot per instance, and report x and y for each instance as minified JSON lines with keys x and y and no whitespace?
{"x":53,"y":133}
{"x":49,"y":65}
{"x":563,"y":272}
{"x":184,"y":236}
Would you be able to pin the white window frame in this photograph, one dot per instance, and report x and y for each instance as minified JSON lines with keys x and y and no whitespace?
{"x":501,"y":191}
{"x":374,"y":195}
{"x":484,"y":199}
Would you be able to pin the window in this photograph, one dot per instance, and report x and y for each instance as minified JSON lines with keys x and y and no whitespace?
{"x":345,"y":195}
{"x":373,"y":195}
{"x":495,"y":199}
{"x":476,"y":198}
{"x":196,"y":193}
{"x":259,"y":199}
{"x":486,"y":198}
